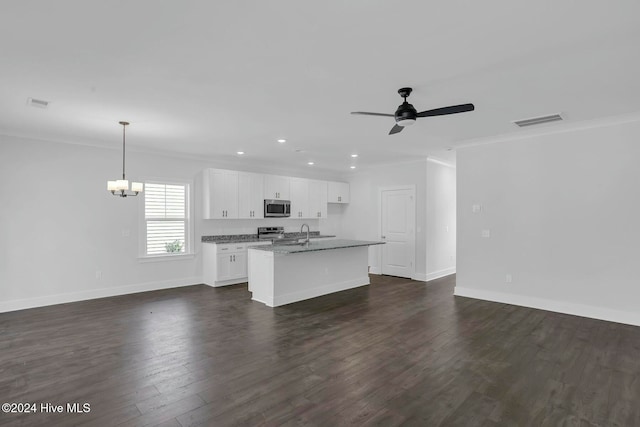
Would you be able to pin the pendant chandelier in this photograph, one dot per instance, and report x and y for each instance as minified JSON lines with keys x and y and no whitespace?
{"x":120,"y":187}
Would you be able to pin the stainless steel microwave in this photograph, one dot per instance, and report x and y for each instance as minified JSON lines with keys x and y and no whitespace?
{"x":277,"y":208}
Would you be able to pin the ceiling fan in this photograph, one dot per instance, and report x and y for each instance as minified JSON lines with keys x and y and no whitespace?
{"x":406,"y":115}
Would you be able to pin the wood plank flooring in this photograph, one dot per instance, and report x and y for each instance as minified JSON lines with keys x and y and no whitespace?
{"x":397,"y":352}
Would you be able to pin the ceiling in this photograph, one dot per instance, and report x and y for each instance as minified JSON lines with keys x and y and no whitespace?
{"x":209,"y":79}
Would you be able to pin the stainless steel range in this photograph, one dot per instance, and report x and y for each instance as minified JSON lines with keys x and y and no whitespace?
{"x":270,"y":233}
{"x":275,"y":234}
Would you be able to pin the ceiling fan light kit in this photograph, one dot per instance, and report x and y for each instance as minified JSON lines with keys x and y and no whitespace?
{"x":120,"y":187}
{"x":406,"y":114}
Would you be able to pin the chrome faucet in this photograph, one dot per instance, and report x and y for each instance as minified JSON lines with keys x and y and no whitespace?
{"x":301,"y":228}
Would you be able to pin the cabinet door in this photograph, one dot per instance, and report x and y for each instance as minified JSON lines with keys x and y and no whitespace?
{"x":338,"y":192}
{"x":223,"y":266}
{"x":257,"y":196}
{"x":231,"y":195}
{"x":276,"y":187}
{"x":299,"y":190}
{"x":250,"y":195}
{"x":220,"y":194}
{"x":317,"y":199}
{"x":239,"y":265}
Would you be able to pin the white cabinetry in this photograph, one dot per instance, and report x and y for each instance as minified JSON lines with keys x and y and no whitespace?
{"x":308,"y":198}
{"x":220,"y":194}
{"x":250,"y":195}
{"x":225,"y":263}
{"x":317,"y":199}
{"x":231,"y":194}
{"x":276,"y":187}
{"x":338,"y":192}
{"x":231,"y":266}
{"x":299,"y":197}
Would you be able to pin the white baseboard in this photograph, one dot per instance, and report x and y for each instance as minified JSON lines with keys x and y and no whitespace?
{"x":227,"y":282}
{"x":22,"y":304}
{"x":626,"y":317}
{"x":316,"y":292}
{"x":375,"y":270}
{"x":440,"y":273}
{"x":420,"y":277}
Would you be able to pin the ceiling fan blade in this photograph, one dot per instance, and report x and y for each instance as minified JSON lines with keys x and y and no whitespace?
{"x":395,"y":129}
{"x":454,"y":109}
{"x":364,"y":113}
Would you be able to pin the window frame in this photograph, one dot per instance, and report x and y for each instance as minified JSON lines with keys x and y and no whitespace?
{"x":189,"y":251}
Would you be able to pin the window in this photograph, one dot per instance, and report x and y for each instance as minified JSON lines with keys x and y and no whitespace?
{"x":166,"y":217}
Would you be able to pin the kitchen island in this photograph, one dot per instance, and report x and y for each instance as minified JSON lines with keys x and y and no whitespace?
{"x":282,"y":274}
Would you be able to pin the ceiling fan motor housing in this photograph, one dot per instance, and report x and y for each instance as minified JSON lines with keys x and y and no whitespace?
{"x":405,"y":115}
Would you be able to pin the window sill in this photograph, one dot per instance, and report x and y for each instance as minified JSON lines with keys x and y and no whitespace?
{"x":160,"y":258}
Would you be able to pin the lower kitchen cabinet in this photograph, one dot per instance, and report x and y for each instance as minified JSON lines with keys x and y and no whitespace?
{"x":225,"y":263}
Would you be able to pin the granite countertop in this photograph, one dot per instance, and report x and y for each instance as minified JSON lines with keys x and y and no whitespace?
{"x":315,"y":246}
{"x":245,"y":238}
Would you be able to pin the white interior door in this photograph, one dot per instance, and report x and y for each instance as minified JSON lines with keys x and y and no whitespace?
{"x":398,"y":231}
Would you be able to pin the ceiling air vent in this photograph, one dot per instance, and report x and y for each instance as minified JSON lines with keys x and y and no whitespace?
{"x":37,"y":103}
{"x":538,"y":120}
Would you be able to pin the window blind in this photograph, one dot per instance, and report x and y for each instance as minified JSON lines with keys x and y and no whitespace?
{"x":165,"y":208}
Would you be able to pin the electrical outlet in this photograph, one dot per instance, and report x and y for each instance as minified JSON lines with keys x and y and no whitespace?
{"x":126,"y":232}
{"x":508,"y":278}
{"x":446,"y":228}
{"x":476,"y":208}
{"x":98,"y":275}
{"x":486,"y":233}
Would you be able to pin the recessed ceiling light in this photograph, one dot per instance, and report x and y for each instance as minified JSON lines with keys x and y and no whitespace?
{"x":282,"y":141}
{"x":38,"y":103}
{"x":240,"y":153}
{"x":310,"y":163}
{"x":353,"y":167}
{"x":354,"y":155}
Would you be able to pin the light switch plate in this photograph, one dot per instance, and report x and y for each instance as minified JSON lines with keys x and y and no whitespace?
{"x":476,"y":208}
{"x":486,"y":233}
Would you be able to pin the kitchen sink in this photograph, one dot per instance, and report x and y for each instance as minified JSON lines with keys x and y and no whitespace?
{"x":295,"y":243}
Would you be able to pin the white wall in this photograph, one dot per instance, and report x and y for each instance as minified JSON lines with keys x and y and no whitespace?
{"x":441,"y":219}
{"x":562,"y":210}
{"x":362,"y":215}
{"x":59,"y":225}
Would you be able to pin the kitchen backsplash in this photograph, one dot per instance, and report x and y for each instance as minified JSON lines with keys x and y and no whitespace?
{"x":212,"y":227}
{"x":224,"y":226}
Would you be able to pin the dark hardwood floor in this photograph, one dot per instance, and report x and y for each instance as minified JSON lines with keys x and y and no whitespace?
{"x":397,"y":352}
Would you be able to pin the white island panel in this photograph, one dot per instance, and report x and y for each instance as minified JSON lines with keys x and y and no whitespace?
{"x":276,"y":279}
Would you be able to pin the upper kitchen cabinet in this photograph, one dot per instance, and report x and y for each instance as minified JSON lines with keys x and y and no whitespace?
{"x":220,"y":194}
{"x":338,"y":192}
{"x":317,"y":199}
{"x":276,"y":187}
{"x":250,"y":195}
{"x":299,"y":197}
